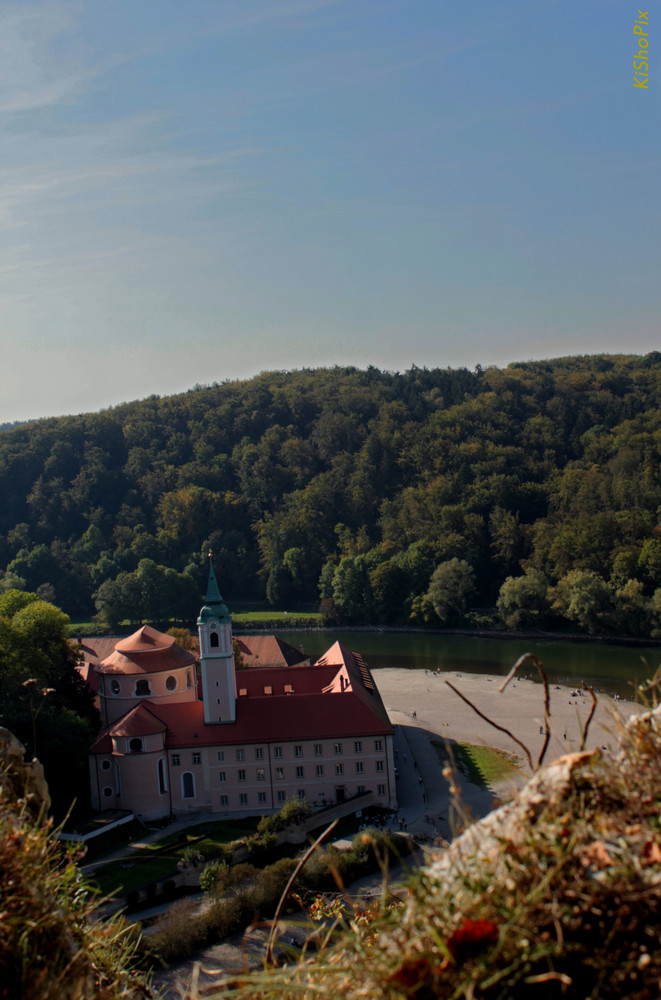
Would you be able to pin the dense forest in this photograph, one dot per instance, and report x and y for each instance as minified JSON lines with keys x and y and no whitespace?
{"x":525,"y":496}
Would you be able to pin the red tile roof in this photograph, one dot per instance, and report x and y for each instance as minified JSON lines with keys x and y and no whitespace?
{"x":146,"y":639}
{"x":147,"y":651}
{"x":269,"y":651}
{"x":140,"y":720}
{"x":305,"y":714}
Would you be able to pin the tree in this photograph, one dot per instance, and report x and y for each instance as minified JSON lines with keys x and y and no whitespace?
{"x":450,"y":587}
{"x":584,"y":597}
{"x":43,"y":699}
{"x":522,"y":600}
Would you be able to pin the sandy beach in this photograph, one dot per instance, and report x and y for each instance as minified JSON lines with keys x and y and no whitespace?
{"x":424,"y":710}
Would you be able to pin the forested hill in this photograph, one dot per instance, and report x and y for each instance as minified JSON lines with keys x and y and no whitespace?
{"x":414,"y":497}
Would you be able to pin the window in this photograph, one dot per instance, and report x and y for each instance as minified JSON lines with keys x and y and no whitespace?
{"x":379,"y":765}
{"x":222,"y":776}
{"x":189,"y":680}
{"x":282,"y":796}
{"x":277,"y":752}
{"x":338,"y":748}
{"x":279,"y":773}
{"x":240,"y":755}
{"x":220,"y":755}
{"x":259,"y":753}
{"x":378,"y":746}
{"x":299,"y":771}
{"x":108,"y":791}
{"x":142,"y":688}
{"x":223,"y":800}
{"x":361,"y":789}
{"x":261,"y":774}
{"x":188,"y":785}
{"x":171,"y":683}
{"x":213,"y":640}
{"x":319,"y":770}
{"x":318,"y":750}
{"x":243,"y":799}
{"x":176,"y":760}
{"x":241,"y":774}
{"x":357,"y":746}
{"x":339,"y":769}
{"x":302,"y":793}
{"x":105,"y":765}
{"x":197,"y":758}
{"x":381,"y":790}
{"x":268,"y":689}
{"x":115,"y":686}
{"x":298,"y":751}
{"x":261,"y":798}
{"x":359,"y":767}
{"x":162,"y":787}
{"x":135,"y":745}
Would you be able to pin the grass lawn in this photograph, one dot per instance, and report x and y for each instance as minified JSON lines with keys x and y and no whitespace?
{"x":284,"y":618}
{"x":158,"y":859}
{"x":483,"y":766}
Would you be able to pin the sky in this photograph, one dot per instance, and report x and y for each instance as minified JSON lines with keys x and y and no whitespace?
{"x":203,"y":190}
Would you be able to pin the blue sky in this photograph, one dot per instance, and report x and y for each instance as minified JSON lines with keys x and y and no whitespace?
{"x":204,"y":190}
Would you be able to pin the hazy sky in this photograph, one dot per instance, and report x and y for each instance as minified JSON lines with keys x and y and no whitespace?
{"x":193,"y":190}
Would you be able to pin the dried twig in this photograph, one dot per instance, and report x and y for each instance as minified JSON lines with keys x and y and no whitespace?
{"x":491,"y":722}
{"x":593,"y":709}
{"x":547,"y":699}
{"x":276,"y":917}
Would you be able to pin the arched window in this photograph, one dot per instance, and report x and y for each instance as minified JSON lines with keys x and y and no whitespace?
{"x":142,"y":687}
{"x":213,"y":640}
{"x":135,"y":745}
{"x":188,"y":785}
{"x":162,"y":784}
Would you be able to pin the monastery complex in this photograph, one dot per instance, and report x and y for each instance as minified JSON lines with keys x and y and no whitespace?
{"x":235,"y":741}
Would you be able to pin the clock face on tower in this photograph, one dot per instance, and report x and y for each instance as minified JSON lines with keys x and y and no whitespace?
{"x":213,"y":625}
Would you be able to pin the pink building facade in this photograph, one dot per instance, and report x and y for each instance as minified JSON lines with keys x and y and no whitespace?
{"x":239,"y":742}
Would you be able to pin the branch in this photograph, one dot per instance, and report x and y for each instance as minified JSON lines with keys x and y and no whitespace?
{"x":589,"y":718}
{"x":492,"y":723}
{"x":276,"y":916}
{"x":547,"y":699}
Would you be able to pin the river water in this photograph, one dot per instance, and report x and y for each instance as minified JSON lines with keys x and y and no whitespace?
{"x":614,"y":669}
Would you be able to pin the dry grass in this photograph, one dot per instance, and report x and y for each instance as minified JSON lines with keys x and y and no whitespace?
{"x":556,"y":895}
{"x":51,"y":948}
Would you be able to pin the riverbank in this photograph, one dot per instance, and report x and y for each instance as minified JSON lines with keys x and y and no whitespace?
{"x":429,"y":715}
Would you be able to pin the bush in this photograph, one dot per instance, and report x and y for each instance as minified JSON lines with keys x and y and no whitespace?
{"x":261,"y":844}
{"x":215,"y":877}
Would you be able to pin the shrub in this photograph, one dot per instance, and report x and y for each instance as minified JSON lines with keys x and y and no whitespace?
{"x":214,"y":877}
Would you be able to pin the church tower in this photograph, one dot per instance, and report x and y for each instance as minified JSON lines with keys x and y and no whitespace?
{"x":216,"y":657}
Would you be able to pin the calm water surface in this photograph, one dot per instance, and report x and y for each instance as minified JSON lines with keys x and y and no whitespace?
{"x":604,"y":666}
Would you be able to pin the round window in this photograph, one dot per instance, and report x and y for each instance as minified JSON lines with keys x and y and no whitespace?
{"x":114,"y":687}
{"x":171,"y":683}
{"x":108,"y":791}
{"x":105,"y":765}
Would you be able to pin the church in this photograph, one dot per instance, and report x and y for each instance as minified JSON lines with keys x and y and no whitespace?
{"x":235,"y":742}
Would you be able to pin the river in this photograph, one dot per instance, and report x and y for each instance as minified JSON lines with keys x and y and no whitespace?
{"x":615,"y":669}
